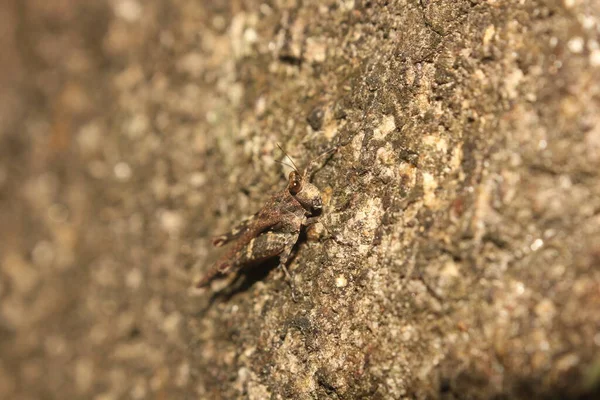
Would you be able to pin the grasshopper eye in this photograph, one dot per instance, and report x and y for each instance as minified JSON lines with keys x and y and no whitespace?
{"x":295,"y":183}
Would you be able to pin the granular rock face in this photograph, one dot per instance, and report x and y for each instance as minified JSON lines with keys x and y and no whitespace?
{"x":458,"y":251}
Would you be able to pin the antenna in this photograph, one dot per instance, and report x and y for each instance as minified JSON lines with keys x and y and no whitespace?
{"x":286,"y":164}
{"x":288,"y":156}
{"x":317,"y":157}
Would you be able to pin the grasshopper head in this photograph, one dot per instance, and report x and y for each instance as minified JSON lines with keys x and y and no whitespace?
{"x":307,"y":194}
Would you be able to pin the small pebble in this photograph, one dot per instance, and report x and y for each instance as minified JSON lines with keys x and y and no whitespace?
{"x":341,"y":281}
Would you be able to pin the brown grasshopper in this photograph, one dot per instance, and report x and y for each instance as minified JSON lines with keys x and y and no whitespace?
{"x":273,"y":230}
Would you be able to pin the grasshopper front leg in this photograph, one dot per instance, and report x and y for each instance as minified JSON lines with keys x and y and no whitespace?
{"x":292,"y":238}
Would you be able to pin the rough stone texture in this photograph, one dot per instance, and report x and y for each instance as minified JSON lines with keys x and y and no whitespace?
{"x":464,"y":197}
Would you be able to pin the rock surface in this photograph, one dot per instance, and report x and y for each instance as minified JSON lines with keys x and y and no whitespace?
{"x":459,"y":250}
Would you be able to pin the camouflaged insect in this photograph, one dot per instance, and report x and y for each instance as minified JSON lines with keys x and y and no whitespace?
{"x":272,"y":231}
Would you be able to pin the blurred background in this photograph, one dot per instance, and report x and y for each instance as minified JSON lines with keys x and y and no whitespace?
{"x":87,"y":188}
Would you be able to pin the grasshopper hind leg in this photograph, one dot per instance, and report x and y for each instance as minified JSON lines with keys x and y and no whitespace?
{"x":234,"y":233}
{"x":257,"y":250}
